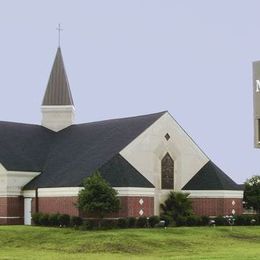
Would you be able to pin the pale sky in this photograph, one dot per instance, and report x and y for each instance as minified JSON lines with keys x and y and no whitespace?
{"x":127,"y":58}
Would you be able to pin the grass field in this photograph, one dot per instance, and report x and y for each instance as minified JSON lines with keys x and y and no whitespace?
{"x":20,"y":242}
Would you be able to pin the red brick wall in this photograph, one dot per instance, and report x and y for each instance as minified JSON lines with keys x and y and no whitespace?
{"x":63,"y":205}
{"x":10,"y":209}
{"x":133,"y":206}
{"x":216,"y":207}
{"x":130,"y":206}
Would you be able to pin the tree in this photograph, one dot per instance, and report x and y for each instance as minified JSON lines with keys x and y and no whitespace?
{"x":98,"y":197}
{"x":252,"y":193}
{"x":177,"y":206}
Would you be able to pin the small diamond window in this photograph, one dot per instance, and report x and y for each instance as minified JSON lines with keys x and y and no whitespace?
{"x":167,"y":136}
{"x":141,"y":212}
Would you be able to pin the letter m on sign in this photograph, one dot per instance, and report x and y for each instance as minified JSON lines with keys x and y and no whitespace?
{"x":257,"y":84}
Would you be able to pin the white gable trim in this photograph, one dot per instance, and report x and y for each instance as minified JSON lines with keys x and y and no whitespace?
{"x":232,"y":194}
{"x":12,"y":182}
{"x":135,"y":192}
{"x":74,"y":191}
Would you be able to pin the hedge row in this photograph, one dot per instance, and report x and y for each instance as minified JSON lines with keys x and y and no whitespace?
{"x":56,"y":220}
{"x":193,"y":220}
{"x":240,"y":220}
{"x":130,"y":222}
{"x":63,"y":220}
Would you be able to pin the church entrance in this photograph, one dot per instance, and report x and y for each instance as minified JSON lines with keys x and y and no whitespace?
{"x":27,"y":211}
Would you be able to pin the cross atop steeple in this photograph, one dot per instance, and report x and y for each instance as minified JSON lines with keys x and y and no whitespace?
{"x":59,"y":29}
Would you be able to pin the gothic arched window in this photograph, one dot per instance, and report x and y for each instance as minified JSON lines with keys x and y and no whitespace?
{"x":167,"y":168}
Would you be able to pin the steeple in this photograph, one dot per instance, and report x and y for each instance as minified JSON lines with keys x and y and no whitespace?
{"x":57,"y":105}
{"x":58,"y":89}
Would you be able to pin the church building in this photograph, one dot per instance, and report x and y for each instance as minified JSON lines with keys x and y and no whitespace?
{"x":42,"y":167}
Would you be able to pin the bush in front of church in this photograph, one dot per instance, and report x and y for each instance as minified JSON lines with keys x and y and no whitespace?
{"x":141,"y":222}
{"x":76,"y":221}
{"x":44,"y":220}
{"x":98,"y":197}
{"x":194,"y":220}
{"x":36,"y":218}
{"x":54,"y":220}
{"x":122,"y":223}
{"x":64,"y":220}
{"x":177,"y":207}
{"x":153,"y":220}
{"x":131,"y":222}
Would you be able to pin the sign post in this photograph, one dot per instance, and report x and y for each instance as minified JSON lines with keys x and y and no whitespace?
{"x":256,"y":94}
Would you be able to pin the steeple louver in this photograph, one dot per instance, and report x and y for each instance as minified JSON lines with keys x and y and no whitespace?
{"x":58,"y":89}
{"x":57,"y":105}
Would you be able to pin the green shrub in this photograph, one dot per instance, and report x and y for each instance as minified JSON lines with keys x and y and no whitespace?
{"x":257,"y":218}
{"x":36,"y":218}
{"x":91,"y":224}
{"x":44,"y":220}
{"x":220,"y":221}
{"x":205,"y":220}
{"x":64,"y":220}
{"x":54,"y":220}
{"x":168,"y":220}
{"x":193,"y":220}
{"x":141,"y":222}
{"x":122,"y":223}
{"x":180,"y":221}
{"x":131,"y":221}
{"x":176,"y":205}
{"x":244,"y":220}
{"x":76,"y":221}
{"x":153,"y":220}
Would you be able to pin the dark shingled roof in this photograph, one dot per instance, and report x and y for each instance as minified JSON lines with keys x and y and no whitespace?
{"x":120,"y":173}
{"x":67,"y":157}
{"x":58,"y":89}
{"x":210,"y":177}
{"x":24,"y":147}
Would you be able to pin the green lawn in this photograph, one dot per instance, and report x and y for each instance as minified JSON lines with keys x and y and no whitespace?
{"x":20,"y":242}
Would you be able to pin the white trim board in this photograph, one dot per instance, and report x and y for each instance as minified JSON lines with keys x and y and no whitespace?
{"x":232,"y":194}
{"x":135,"y":192}
{"x":10,"y":217}
{"x":74,"y":191}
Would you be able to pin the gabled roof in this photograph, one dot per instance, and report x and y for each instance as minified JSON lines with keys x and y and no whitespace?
{"x":74,"y":153}
{"x":24,"y":147}
{"x":58,"y":89}
{"x":210,"y":177}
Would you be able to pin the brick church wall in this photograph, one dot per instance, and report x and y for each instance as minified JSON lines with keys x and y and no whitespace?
{"x":216,"y":206}
{"x":135,"y":207}
{"x":11,"y":210}
{"x":62,"y":205}
{"x":130,"y":206}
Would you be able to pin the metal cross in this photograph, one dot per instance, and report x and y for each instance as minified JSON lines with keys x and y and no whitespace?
{"x":59,"y":29}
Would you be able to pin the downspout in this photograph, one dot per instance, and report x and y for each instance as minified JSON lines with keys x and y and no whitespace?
{"x":36,"y":201}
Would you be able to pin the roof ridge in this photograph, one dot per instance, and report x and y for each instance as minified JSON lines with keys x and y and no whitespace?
{"x":122,"y":118}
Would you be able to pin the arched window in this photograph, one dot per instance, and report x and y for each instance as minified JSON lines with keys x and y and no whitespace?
{"x":167,"y":168}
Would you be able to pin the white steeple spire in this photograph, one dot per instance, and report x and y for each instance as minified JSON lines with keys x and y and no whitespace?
{"x":57,"y":105}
